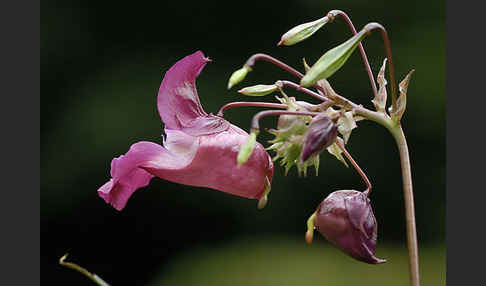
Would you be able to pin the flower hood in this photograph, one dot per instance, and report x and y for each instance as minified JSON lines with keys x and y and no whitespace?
{"x":200,"y":149}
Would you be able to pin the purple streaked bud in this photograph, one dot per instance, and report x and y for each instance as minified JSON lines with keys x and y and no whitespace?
{"x":346,"y":219}
{"x":321,"y":134}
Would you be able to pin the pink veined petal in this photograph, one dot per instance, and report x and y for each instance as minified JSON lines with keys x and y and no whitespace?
{"x":215,"y":166}
{"x":178,"y":102}
{"x":200,"y":148}
{"x":127,"y":174}
{"x":205,"y":161}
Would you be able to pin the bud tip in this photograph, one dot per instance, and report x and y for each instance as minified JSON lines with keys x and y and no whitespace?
{"x":309,"y":236}
{"x":262,"y":202}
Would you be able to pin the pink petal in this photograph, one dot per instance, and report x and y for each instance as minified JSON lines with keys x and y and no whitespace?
{"x":178,"y":102}
{"x":205,"y":161}
{"x":127,"y":176}
{"x":200,"y":148}
{"x":215,"y":166}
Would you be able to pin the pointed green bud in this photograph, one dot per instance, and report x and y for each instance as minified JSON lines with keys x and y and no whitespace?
{"x":238,"y":76}
{"x":309,"y":235}
{"x":262,"y":202}
{"x":332,"y":60}
{"x":247,"y":148}
{"x":402,"y":99}
{"x":306,"y":66}
{"x":259,"y":89}
{"x":380,"y":98}
{"x":301,"y":32}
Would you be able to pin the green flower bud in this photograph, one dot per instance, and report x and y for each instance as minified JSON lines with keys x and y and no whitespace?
{"x":258,"y":90}
{"x":247,"y":148}
{"x":302,"y":32}
{"x":332,"y":60}
{"x":238,"y":76}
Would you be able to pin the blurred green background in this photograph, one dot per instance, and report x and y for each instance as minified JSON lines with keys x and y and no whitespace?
{"x":101,"y":67}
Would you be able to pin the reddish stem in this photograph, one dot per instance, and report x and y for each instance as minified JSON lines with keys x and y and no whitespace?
{"x":251,"y":62}
{"x":302,"y":89}
{"x":343,"y":15}
{"x":248,"y":103}
{"x":255,"y":122}
{"x":391,"y":67}
{"x":356,"y":166}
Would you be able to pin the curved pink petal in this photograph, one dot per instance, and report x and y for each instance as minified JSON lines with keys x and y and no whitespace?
{"x":215,"y":166}
{"x":127,"y":176}
{"x":178,"y":102}
{"x":200,"y":148}
{"x":205,"y":161}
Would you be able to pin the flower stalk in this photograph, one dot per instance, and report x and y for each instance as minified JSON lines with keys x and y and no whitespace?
{"x":297,"y":87}
{"x":255,"y":122}
{"x":334,"y":13}
{"x":248,"y":104}
{"x":95,"y":278}
{"x":412,"y":243}
{"x":356,"y":167}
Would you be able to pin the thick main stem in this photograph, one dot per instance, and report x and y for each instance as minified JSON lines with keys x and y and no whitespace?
{"x":397,"y":133}
{"x":399,"y":136}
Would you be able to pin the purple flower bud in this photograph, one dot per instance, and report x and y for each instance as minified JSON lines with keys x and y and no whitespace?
{"x":321,"y":134}
{"x":346,"y":219}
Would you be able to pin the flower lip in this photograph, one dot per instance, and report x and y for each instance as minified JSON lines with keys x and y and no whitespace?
{"x":200,"y":149}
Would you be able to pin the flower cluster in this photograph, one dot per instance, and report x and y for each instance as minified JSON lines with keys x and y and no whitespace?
{"x":205,"y":150}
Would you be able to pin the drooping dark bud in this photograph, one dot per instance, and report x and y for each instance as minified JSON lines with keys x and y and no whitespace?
{"x":346,"y":219}
{"x":321,"y":134}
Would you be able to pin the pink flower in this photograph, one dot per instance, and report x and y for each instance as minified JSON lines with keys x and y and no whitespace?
{"x":200,"y":149}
